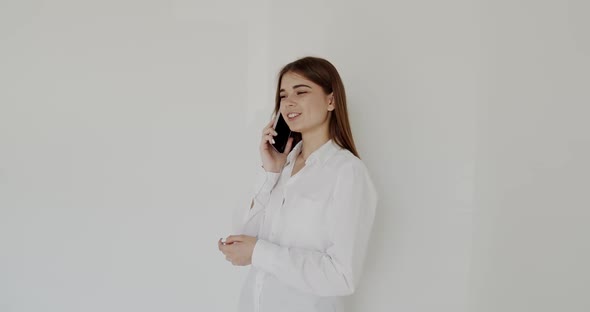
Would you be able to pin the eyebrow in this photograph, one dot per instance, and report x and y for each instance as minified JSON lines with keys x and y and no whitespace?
{"x":296,"y":86}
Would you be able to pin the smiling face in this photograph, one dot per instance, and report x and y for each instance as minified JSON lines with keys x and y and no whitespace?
{"x":304,"y":105}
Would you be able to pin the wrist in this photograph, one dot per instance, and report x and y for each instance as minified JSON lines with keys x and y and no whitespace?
{"x":271,"y":170}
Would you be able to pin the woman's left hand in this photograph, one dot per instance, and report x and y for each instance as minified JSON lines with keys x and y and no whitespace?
{"x":238,"y":249}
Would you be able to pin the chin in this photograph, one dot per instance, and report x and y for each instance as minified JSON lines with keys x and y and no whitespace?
{"x":296,"y":129}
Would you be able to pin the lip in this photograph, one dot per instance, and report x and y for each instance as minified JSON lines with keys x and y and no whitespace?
{"x":292,"y":118}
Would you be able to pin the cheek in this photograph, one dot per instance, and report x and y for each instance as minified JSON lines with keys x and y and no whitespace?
{"x":319,"y":111}
{"x":315,"y":106}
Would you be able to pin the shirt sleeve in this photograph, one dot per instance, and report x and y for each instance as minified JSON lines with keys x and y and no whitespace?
{"x":335,"y":272}
{"x":250,"y":218}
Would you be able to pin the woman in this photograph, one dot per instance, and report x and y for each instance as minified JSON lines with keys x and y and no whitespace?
{"x":306,"y":230}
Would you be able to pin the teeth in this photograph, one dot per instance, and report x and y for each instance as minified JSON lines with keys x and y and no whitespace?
{"x":291,"y":115}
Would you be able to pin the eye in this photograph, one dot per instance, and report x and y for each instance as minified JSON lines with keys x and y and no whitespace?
{"x":282,"y":97}
{"x":301,"y":92}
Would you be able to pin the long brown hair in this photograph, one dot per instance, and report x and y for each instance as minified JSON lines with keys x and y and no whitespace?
{"x":324,"y":74}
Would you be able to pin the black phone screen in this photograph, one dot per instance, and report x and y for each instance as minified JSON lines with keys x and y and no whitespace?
{"x":283,"y":133}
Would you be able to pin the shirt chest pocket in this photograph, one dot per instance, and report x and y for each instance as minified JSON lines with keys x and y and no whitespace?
{"x":304,"y":220}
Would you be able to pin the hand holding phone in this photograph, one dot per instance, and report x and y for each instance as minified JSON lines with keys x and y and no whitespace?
{"x":275,"y":134}
{"x":283,"y":133}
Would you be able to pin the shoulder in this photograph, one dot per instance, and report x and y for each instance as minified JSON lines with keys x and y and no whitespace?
{"x":345,"y":166}
{"x":344,"y":160}
{"x":351,"y":175}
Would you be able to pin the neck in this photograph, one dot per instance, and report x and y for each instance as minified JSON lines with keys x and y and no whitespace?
{"x":312,"y":141}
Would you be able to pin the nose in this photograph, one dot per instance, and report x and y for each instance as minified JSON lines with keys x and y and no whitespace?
{"x":288,"y":101}
{"x":286,"y":106}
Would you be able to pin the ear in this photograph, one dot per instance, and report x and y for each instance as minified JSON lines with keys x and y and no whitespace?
{"x":331,"y":104}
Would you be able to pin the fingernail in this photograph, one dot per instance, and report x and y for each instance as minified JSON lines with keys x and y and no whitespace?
{"x":273,"y":141}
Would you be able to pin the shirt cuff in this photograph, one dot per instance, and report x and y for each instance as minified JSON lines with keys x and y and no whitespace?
{"x":264,"y":255}
{"x":265,"y":181}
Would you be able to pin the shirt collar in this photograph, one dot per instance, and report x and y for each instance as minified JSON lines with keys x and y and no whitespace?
{"x":320,"y":155}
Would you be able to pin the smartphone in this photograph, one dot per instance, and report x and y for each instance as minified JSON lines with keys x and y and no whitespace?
{"x":283,"y":133}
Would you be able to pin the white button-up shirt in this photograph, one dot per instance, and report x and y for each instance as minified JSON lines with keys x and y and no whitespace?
{"x":312,"y":228}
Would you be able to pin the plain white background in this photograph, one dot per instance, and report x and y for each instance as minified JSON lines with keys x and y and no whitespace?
{"x":129,"y":132}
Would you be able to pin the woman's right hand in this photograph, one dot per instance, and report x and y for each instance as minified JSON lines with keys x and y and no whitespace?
{"x":272,"y":160}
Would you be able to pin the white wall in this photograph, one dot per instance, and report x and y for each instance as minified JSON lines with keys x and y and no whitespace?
{"x":121,"y":122}
{"x":129,"y":129}
{"x":531,"y":205}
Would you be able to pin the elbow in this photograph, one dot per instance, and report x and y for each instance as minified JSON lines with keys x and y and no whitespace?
{"x":341,"y":291}
{"x":344,"y":286}
{"x":348,"y":288}
{"x":344,"y":282}
{"x":345,"y":291}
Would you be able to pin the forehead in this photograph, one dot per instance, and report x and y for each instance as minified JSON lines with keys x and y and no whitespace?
{"x":291,"y":79}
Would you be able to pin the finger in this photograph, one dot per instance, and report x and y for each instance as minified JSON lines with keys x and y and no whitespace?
{"x":271,"y":122}
{"x":223,"y":248}
{"x":289,"y":145}
{"x":230,"y":239}
{"x":234,"y":238}
{"x":226,"y":250}
{"x":268,"y":131}
{"x":268,"y":138}
{"x":273,"y":117}
{"x":269,"y":134}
